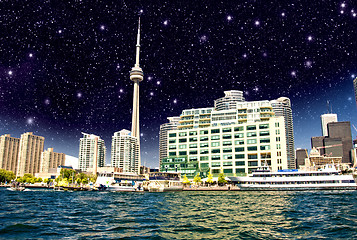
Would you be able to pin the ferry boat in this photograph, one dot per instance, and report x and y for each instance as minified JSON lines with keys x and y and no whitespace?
{"x":327,"y":178}
{"x":163,"y":182}
{"x":119,"y":182}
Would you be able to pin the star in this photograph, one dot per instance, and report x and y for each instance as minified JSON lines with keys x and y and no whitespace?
{"x":309,"y":38}
{"x":10,"y":72}
{"x":121,"y":90}
{"x":47,"y":101}
{"x":175,"y":101}
{"x":229,"y":18}
{"x":158,"y":83}
{"x":343,"y":5}
{"x":283,"y":14}
{"x":79,"y":95}
{"x":30,"y":121}
{"x":293,"y":73}
{"x":30,"y":55}
{"x":102,"y":27}
{"x":151,"y":94}
{"x":308,"y":64}
{"x":166,"y":22}
{"x":60,"y":31}
{"x":257,"y":23}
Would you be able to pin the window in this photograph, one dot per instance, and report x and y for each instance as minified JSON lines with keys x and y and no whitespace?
{"x":183,"y":153}
{"x":204,"y":145}
{"x":202,"y":132}
{"x":227,"y":150}
{"x":265,"y":155}
{"x":215,"y":131}
{"x":227,"y":136}
{"x":172,"y":134}
{"x":215,"y":144}
{"x":216,"y":164}
{"x":251,"y":134}
{"x":182,"y":146}
{"x":227,"y":164}
{"x":264,"y":133}
{"x":216,"y":157}
{"x":194,"y":158}
{"x":215,"y":137}
{"x":204,"y":165}
{"x":251,"y":141}
{"x":227,"y":130}
{"x":204,"y":151}
{"x":265,"y":140}
{"x":227,"y":143}
{"x":276,"y":124}
{"x":252,"y":148}
{"x":193,"y":133}
{"x":239,"y":156}
{"x":193,"y":152}
{"x":278,"y":154}
{"x":204,"y":158}
{"x":239,"y":149}
{"x":227,"y":170}
{"x":237,"y":129}
{"x":193,"y":139}
{"x":172,"y":147}
{"x":215,"y":171}
{"x":277,"y":131}
{"x":240,"y":170}
{"x":172,"y":153}
{"x":253,"y":163}
{"x":252,"y":156}
{"x":252,"y":127}
{"x":278,"y":146}
{"x":182,"y":140}
{"x":277,"y":139}
{"x":203,"y":138}
{"x":265,"y":147}
{"x":238,"y":135}
{"x":263,"y":126}
{"x":194,"y":145}
{"x":228,"y":156}
{"x":172,"y":141}
{"x":216,"y":151}
{"x":239,"y":142}
{"x":240,"y":163}
{"x":183,"y":134}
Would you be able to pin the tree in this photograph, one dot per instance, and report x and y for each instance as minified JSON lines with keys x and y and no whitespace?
{"x":197,"y":179}
{"x":221,"y":179}
{"x":6,"y":176}
{"x":210,"y":178}
{"x":185,"y":180}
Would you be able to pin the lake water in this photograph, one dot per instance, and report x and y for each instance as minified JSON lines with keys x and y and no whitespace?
{"x":46,"y":214}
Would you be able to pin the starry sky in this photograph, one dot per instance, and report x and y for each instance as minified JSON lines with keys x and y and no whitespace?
{"x":64,"y":65}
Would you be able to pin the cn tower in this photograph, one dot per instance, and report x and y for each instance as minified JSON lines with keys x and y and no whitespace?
{"x":136,"y":75}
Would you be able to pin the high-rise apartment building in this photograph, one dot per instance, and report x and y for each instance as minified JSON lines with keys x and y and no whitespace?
{"x":51,"y":159}
{"x":91,"y":153}
{"x":325,"y":119}
{"x":30,"y":150}
{"x":229,"y":101}
{"x":235,"y":141}
{"x":125,"y":151}
{"x":9,"y":152}
{"x":164,"y":128}
{"x":282,"y":107}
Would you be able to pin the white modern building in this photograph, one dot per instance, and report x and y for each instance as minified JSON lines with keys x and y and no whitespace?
{"x":125,"y":151}
{"x":325,"y":119}
{"x":235,"y":141}
{"x":282,"y":107}
{"x":164,"y":128}
{"x":91,"y":153}
{"x":229,"y":101}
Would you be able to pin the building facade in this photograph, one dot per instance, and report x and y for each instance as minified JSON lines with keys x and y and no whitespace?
{"x":30,"y":150}
{"x":91,"y":153}
{"x":229,"y":101}
{"x":164,"y":128}
{"x":51,"y":159}
{"x":325,"y":119}
{"x":9,"y":152}
{"x":234,"y":142}
{"x":282,"y":107}
{"x":125,"y":152}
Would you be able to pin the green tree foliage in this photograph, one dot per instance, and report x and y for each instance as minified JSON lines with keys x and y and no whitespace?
{"x":222,"y":178}
{"x":210,"y":178}
{"x":197,"y":179}
{"x":6,"y":176}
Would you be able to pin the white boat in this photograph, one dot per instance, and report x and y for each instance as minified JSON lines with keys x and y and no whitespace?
{"x":119,"y":182}
{"x":327,"y":178}
{"x":163,"y":182}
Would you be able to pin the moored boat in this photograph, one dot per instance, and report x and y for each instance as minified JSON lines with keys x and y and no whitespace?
{"x":119,"y":182}
{"x":163,"y":182}
{"x":327,"y":178}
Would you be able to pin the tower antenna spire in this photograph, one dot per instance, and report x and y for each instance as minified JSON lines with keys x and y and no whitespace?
{"x":138,"y":46}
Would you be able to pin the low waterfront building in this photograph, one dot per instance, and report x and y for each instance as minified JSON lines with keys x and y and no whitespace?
{"x":235,"y":141}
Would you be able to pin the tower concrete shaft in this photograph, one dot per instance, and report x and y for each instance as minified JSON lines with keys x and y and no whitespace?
{"x":136,"y":75}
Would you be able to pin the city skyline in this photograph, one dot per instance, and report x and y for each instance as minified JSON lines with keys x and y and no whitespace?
{"x":58,"y":79}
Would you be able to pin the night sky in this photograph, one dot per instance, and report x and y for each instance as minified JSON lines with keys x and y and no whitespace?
{"x":64,"y":67}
